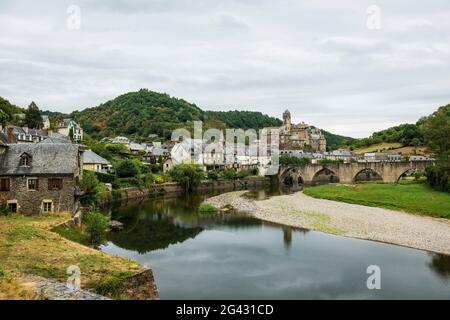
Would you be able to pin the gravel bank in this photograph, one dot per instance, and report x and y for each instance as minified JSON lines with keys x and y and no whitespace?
{"x":356,"y":221}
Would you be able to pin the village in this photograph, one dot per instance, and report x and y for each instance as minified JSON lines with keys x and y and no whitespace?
{"x":41,"y":168}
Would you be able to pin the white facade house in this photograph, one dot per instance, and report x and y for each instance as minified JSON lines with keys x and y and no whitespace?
{"x":45,"y":123}
{"x":65,"y":126}
{"x":119,"y":139}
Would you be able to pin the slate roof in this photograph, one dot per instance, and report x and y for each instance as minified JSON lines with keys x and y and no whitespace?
{"x":157,"y":151}
{"x":55,"y":140}
{"x":90,"y":156}
{"x":33,"y":132}
{"x":46,"y":158}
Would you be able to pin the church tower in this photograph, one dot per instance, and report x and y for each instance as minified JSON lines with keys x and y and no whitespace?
{"x":287,"y":120}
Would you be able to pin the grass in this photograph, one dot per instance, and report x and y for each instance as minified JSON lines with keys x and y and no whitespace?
{"x":72,"y":234}
{"x":111,"y":285}
{"x":29,"y":247}
{"x":207,"y":208}
{"x":321,"y":222}
{"x":410,"y":197}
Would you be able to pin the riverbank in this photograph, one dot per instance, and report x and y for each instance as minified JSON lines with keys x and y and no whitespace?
{"x":410,"y":196}
{"x":349,"y":220}
{"x":28,"y":247}
{"x":174,"y":189}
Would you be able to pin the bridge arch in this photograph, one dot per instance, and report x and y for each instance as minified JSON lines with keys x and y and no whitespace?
{"x":367,"y":174}
{"x":325,"y":175}
{"x":291,"y":176}
{"x":408,"y":171}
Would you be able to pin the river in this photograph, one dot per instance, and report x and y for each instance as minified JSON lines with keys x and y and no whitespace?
{"x":234,"y":256}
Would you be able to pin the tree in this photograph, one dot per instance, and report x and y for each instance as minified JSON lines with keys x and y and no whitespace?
{"x":187,"y":175}
{"x":126,"y":169}
{"x":96,"y":225}
{"x":92,"y":187}
{"x":436,"y":130}
{"x":33,"y":117}
{"x":3,"y":117}
{"x":71,"y":134}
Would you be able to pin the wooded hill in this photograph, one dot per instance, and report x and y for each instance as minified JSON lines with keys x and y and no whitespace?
{"x":144,"y":112}
{"x":138,"y":114}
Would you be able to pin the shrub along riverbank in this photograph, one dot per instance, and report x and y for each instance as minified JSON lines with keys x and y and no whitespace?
{"x":413,"y":197}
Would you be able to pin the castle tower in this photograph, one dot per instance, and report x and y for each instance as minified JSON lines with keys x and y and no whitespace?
{"x":287,"y":120}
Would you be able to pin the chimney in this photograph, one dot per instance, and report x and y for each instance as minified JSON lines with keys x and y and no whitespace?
{"x":10,"y":134}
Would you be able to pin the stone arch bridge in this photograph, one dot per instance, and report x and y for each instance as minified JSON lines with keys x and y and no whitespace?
{"x":390,"y":172}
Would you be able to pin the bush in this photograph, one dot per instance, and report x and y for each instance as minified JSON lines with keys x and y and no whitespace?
{"x":438,"y":178}
{"x":187,"y":175}
{"x":160,"y":179}
{"x":4,"y":210}
{"x":285,"y":160}
{"x":206,"y":208}
{"x":116,"y":148}
{"x":105,"y":177}
{"x":149,"y":180}
{"x":127,"y":168}
{"x":96,"y":225}
{"x":229,"y":174}
{"x":130,"y":182}
{"x":212,"y":175}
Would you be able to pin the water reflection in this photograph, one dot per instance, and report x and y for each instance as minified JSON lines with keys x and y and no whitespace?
{"x":239,"y":257}
{"x":440,"y":264}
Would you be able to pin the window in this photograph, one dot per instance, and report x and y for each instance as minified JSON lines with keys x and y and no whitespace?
{"x":47,"y":206}
{"x":54,"y":184}
{"x":12,"y":207}
{"x":25,"y":160}
{"x":5,"y":184}
{"x":33,"y":184}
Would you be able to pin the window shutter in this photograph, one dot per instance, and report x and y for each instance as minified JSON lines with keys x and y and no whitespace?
{"x":37,"y":184}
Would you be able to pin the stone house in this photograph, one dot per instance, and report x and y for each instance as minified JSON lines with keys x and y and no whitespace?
{"x":16,"y":134}
{"x":40,"y":177}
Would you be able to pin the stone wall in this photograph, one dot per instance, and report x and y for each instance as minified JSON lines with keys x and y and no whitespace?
{"x":172,"y":188}
{"x":140,"y":286}
{"x":30,"y":201}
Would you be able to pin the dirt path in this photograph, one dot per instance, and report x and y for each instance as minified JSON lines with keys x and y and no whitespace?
{"x":350,"y":220}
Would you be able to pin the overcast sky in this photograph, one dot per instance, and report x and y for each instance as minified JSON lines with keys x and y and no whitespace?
{"x":318,"y":59}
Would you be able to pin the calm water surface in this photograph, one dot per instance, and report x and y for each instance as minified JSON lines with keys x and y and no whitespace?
{"x":238,"y":257}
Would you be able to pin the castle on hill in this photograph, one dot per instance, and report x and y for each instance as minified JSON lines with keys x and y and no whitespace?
{"x":300,"y":136}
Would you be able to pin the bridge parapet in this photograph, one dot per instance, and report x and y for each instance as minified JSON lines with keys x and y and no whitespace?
{"x":346,"y":173}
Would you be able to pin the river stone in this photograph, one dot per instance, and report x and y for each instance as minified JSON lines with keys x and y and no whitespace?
{"x":115,"y":225}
